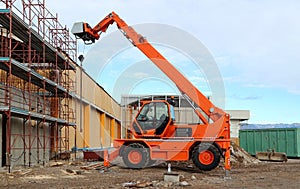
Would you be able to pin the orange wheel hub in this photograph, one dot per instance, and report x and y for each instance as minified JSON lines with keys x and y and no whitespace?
{"x":206,"y":157}
{"x":135,"y":156}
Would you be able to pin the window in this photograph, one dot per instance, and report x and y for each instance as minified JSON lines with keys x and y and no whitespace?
{"x":153,"y":116}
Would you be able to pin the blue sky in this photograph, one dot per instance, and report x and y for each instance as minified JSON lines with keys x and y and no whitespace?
{"x":254,"y":43}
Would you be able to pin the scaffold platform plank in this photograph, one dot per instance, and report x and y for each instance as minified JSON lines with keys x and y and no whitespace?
{"x":4,"y":10}
{"x":34,"y":115}
{"x":20,"y":29}
{"x":22,"y":72}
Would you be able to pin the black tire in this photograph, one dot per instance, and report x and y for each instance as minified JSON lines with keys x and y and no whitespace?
{"x":150,"y":161}
{"x":206,"y":156}
{"x":135,"y":156}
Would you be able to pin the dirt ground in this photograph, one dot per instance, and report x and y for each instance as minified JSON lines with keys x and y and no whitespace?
{"x":93,"y":175}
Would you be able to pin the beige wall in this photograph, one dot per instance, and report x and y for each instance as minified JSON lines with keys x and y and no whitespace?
{"x":96,"y":95}
{"x":101,"y":115}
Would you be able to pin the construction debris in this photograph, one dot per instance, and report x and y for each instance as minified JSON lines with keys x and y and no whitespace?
{"x":184,"y":183}
{"x":22,"y":172}
{"x":72,"y":172}
{"x":56,"y":164}
{"x":239,"y":155}
{"x":77,"y":163}
{"x":156,"y":184}
{"x":137,"y":184}
{"x":94,"y":166}
{"x":129,"y":184}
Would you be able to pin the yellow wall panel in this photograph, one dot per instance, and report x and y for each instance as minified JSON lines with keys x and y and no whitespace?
{"x":112,"y":129}
{"x":102,"y":130}
{"x":86,"y":125}
{"x":95,"y":128}
{"x":118,"y":125}
{"x":107,"y":139}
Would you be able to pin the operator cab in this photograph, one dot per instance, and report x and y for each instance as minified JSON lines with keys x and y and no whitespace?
{"x":153,"y":118}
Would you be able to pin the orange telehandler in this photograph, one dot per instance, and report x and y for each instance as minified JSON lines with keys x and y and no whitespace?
{"x":156,"y":134}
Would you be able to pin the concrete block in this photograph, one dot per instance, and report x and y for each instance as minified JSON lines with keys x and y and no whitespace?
{"x":171,"y":177}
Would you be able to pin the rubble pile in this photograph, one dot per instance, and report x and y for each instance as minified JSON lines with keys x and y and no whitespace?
{"x":239,"y":155}
{"x":159,"y":184}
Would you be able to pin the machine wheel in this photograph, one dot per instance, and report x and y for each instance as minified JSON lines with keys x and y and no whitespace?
{"x":206,"y":156}
{"x":135,"y":156}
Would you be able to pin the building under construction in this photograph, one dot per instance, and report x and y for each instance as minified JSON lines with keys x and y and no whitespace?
{"x":40,"y":94}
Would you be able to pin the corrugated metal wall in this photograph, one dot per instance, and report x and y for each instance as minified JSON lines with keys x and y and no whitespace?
{"x":281,"y":140}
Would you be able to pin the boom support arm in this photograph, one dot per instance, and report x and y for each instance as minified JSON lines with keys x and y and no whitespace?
{"x":88,"y":35}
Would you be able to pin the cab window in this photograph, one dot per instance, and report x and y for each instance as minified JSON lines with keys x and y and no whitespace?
{"x":153,"y":116}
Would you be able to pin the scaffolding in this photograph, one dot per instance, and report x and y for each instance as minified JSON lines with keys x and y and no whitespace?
{"x":37,"y":72}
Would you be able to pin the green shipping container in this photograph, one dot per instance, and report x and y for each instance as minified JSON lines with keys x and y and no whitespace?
{"x":281,"y":140}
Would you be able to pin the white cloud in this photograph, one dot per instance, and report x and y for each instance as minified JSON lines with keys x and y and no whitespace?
{"x":295,"y":92}
{"x":257,"y":85}
{"x":248,"y":97}
{"x":138,"y":75}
